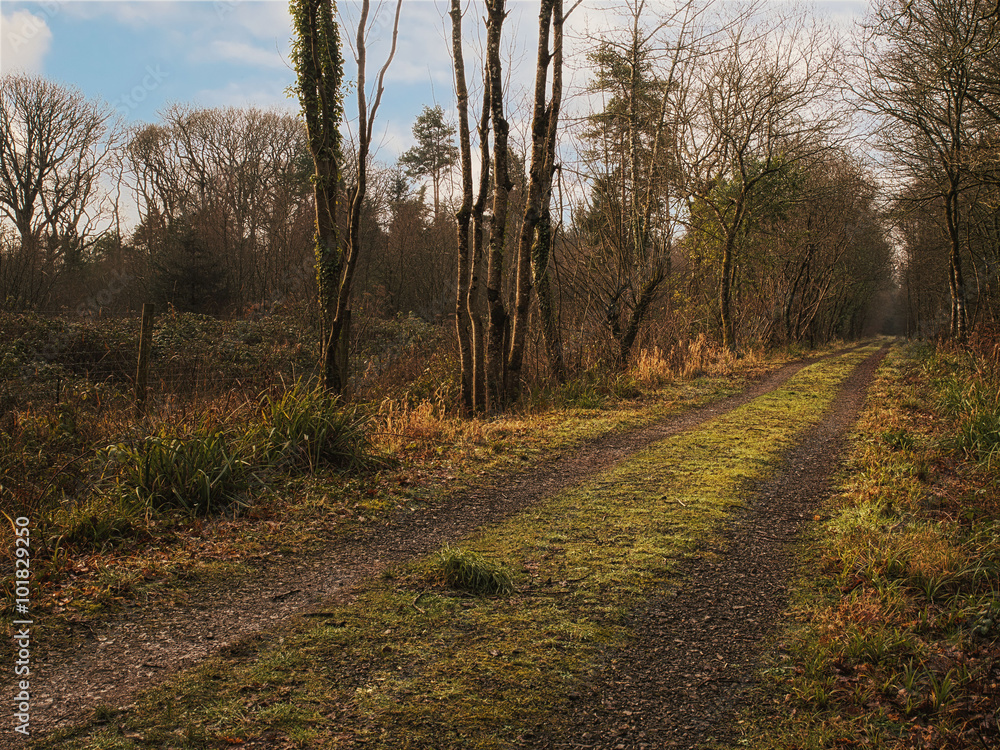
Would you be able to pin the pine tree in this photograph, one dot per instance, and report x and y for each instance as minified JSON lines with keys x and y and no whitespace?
{"x":435,"y":152}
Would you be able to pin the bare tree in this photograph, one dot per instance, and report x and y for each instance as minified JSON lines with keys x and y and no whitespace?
{"x":319,"y":67}
{"x":762,"y":105}
{"x":470,"y":219}
{"x":464,"y":314}
{"x":496,"y":335}
{"x":535,"y":241}
{"x":366,"y":121}
{"x":54,"y":144}
{"x":240,"y":176}
{"x":644,"y":75}
{"x":925,"y":66}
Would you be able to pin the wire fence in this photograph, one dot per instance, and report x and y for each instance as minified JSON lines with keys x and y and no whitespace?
{"x":54,"y":357}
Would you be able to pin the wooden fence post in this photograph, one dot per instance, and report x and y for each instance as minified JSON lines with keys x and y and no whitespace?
{"x":343,"y":353}
{"x":142,"y":370}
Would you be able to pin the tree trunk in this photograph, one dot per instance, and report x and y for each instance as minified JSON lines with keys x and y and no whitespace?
{"x":498,"y":318}
{"x":725,"y":295}
{"x":474,"y":302}
{"x":537,"y":182}
{"x":956,"y":279}
{"x":319,"y":71}
{"x":463,"y":317}
{"x":631,"y":330}
{"x":540,"y":253}
{"x":319,"y":68}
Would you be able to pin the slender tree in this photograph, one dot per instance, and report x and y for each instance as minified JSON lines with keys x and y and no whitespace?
{"x":463,"y":315}
{"x":496,"y":337}
{"x":319,"y":69}
{"x":534,"y":245}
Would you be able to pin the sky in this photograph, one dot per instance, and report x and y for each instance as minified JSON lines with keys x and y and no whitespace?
{"x":142,"y":56}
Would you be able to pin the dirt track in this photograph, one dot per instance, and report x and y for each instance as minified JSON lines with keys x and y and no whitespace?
{"x":691,"y":669}
{"x":109,"y":665}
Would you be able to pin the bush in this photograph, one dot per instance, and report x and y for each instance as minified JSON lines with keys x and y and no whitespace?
{"x":100,"y":521}
{"x":196,"y":473}
{"x":973,"y":399}
{"x":308,"y":428}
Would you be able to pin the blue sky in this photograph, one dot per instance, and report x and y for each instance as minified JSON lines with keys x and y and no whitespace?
{"x":143,"y":55}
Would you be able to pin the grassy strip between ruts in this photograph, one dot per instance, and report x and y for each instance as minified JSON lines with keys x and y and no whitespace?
{"x":896,"y":635}
{"x":412,"y":663}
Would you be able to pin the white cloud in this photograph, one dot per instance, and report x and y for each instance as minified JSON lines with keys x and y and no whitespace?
{"x":246,"y":54}
{"x":135,"y":14}
{"x":24,"y":41}
{"x":246,"y":94}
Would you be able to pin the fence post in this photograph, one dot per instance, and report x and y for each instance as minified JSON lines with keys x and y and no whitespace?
{"x":343,"y":352}
{"x":142,"y":370}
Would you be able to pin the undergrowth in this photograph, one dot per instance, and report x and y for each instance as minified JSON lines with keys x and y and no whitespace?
{"x":469,"y":571}
{"x":227,"y":475}
{"x":897,"y":642}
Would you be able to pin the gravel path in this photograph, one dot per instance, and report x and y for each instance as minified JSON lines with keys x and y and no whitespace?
{"x":692,"y":667}
{"x":109,"y":664}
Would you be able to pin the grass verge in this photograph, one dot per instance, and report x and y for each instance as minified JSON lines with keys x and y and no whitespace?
{"x":414,"y":661}
{"x":896,"y":641}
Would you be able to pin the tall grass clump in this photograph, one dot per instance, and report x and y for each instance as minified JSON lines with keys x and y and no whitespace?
{"x":197,"y":473}
{"x":971,"y":396}
{"x":469,"y":571}
{"x":308,"y":428}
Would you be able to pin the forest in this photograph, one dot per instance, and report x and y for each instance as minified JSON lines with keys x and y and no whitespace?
{"x":757,"y":179}
{"x":234,"y":344}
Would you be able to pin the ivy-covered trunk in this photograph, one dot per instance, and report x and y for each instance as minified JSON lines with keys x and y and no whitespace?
{"x":319,"y":70}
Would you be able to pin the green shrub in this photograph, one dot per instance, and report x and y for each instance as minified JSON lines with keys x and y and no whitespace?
{"x":899,"y":439}
{"x":974,"y":402}
{"x":308,"y":428}
{"x":100,"y":521}
{"x":580,"y":393}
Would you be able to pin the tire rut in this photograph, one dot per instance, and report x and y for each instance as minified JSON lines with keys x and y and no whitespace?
{"x":692,"y":667}
{"x":108,"y":664}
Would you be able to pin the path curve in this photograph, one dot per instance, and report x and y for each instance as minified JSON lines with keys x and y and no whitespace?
{"x":139,"y":649}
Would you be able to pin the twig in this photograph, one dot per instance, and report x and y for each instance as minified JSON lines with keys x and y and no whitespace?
{"x":285,"y":595}
{"x":414,"y":604}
